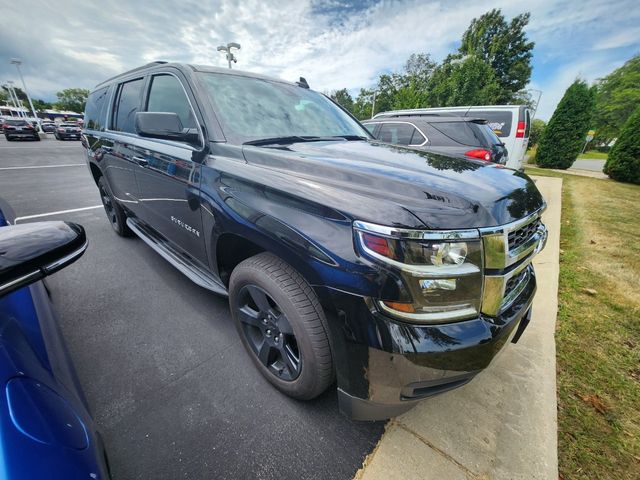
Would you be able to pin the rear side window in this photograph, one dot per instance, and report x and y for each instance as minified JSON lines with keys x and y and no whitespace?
{"x":527,"y":119}
{"x":167,"y":95}
{"x":400,"y":134}
{"x":500,"y":122}
{"x":94,"y":114}
{"x":466,"y":133}
{"x":127,"y":105}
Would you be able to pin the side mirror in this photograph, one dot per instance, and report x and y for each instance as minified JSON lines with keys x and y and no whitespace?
{"x":164,"y":125}
{"x":31,"y":251}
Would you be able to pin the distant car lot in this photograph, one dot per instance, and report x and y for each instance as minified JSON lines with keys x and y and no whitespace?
{"x":158,"y":357}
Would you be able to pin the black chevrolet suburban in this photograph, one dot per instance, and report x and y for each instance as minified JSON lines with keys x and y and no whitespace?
{"x":395,"y":273}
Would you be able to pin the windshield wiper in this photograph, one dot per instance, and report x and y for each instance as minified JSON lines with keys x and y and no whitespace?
{"x":301,"y":138}
{"x":350,"y":137}
{"x":284,"y":140}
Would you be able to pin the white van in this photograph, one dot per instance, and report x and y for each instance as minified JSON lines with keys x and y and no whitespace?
{"x":511,"y":123}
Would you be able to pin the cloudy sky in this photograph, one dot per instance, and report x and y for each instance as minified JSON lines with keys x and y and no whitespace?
{"x":334,"y":43}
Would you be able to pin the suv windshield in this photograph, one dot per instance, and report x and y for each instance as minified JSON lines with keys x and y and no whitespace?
{"x":254,"y":108}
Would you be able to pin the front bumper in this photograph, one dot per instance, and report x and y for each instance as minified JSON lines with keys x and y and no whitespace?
{"x":384,"y":367}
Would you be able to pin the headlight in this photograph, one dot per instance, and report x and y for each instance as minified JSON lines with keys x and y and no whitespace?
{"x":441,"y":270}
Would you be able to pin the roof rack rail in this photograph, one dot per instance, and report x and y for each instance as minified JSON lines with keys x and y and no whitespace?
{"x":146,"y":65}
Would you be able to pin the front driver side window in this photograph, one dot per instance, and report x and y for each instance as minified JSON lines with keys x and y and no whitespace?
{"x":167,"y":95}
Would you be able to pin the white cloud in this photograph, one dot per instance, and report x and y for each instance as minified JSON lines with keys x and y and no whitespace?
{"x":333,"y":44}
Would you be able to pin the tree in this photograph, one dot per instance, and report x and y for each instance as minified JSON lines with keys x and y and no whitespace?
{"x":623,"y":163}
{"x":563,"y":137}
{"x":537,"y":127}
{"x":363,"y":104}
{"x":72,"y":99}
{"x":504,"y":46}
{"x":463,"y":81}
{"x":4,"y":96}
{"x":342,"y":97}
{"x":618,"y":94}
{"x":40,"y":104}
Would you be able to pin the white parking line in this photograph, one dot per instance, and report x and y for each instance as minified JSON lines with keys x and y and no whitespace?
{"x":44,"y":166}
{"x":59,"y":212}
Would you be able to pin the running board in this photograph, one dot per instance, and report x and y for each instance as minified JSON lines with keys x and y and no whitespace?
{"x":186,"y":266}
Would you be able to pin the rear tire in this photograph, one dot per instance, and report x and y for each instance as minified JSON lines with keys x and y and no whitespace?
{"x":115,"y":214}
{"x":281,"y":325}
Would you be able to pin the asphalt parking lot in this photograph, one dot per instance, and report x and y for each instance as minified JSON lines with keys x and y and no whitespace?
{"x":164,"y":372}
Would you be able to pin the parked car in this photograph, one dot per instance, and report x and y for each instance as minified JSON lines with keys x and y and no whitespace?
{"x":66,"y":131}
{"x":462,"y":136}
{"x":397,"y":272}
{"x":45,"y":427}
{"x":511,"y":123}
{"x":14,"y":129}
{"x":48,"y":127}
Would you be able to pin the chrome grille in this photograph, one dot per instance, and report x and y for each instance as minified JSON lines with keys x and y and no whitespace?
{"x":514,"y":281}
{"x":520,"y":236}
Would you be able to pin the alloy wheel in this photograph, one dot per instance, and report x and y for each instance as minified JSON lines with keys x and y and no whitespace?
{"x":109,"y":207}
{"x":268,"y":333}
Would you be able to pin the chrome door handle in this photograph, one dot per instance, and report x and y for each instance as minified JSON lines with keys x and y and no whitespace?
{"x":143,"y":162}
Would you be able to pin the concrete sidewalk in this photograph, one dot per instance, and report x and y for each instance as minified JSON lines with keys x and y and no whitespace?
{"x":503,"y":424}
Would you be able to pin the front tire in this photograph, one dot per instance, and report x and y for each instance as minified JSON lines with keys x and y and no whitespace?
{"x":115,"y":214}
{"x":281,"y":325}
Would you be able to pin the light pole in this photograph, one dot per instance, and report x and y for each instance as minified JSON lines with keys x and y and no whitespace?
{"x":14,"y":102}
{"x":229,"y":54}
{"x":537,"y":101}
{"x":17,"y":63}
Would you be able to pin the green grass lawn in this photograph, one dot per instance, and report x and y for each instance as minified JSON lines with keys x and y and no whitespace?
{"x":598,"y":330}
{"x":594,"y":154}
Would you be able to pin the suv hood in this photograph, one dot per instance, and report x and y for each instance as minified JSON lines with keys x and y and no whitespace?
{"x":391,"y":185}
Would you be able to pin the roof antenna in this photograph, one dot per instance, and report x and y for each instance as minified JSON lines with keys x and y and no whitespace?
{"x":467,"y":112}
{"x":302,"y":83}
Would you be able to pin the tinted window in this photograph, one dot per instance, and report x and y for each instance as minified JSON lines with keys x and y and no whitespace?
{"x":465,"y":133}
{"x":254,"y":108}
{"x":15,"y":123}
{"x":371,"y":127}
{"x":167,"y":95}
{"x":95,"y":110}
{"x":127,"y":106}
{"x":527,"y":119}
{"x":500,"y":122}
{"x":397,"y":133}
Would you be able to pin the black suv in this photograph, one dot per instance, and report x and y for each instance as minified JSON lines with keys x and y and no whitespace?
{"x":396,"y":272}
{"x":14,"y":129}
{"x":463,"y":136}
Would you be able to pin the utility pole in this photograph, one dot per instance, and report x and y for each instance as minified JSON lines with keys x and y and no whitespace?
{"x":17,"y":63}
{"x":229,"y":54}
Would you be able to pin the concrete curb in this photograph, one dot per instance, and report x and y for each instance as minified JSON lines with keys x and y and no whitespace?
{"x":502,"y":425}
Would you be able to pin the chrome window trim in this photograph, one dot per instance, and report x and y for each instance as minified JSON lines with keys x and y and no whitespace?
{"x":415,"y":234}
{"x":148,"y":79}
{"x":426,"y":140}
